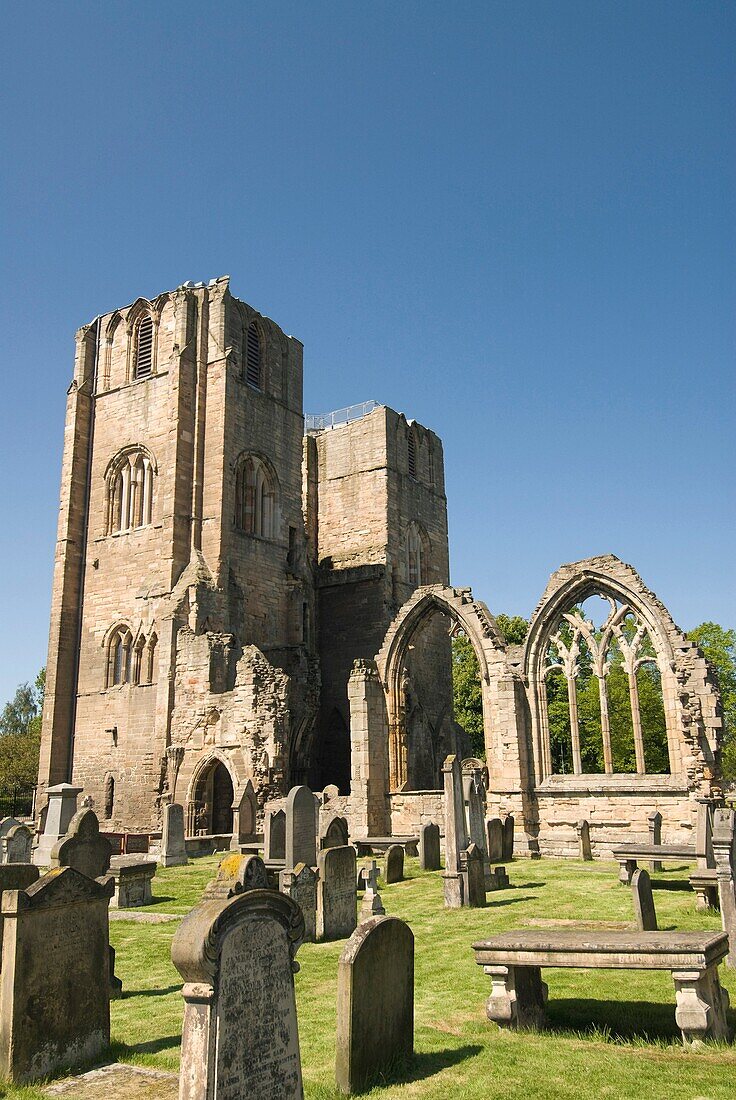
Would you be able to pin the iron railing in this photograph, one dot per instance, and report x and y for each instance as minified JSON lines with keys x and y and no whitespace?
{"x":323,"y":421}
{"x":16,"y":801}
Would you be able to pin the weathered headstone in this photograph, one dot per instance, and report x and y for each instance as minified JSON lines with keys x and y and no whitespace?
{"x":7,"y":824}
{"x":474,"y":877}
{"x":375,"y":1002}
{"x":16,"y":876}
{"x":301,"y":831}
{"x":301,"y":886}
{"x":132,"y":877}
{"x":235,"y":874}
{"x":240,"y":1036}
{"x":429,"y":847}
{"x":116,"y":986}
{"x":335,"y":834}
{"x":655,"y":837}
{"x":336,"y":893}
{"x":364,"y":872}
{"x":644,"y":911}
{"x":508,"y":838}
{"x":274,"y":839}
{"x":371,"y":906}
{"x":724,"y":850}
{"x":394,"y":864}
{"x":59,"y":810}
{"x":16,"y":844}
{"x":455,"y":837}
{"x":494,"y":835}
{"x":173,"y":845}
{"x":330,"y":793}
{"x":54,"y":977}
{"x":582,"y":828}
{"x":245,"y":817}
{"x":83,"y":848}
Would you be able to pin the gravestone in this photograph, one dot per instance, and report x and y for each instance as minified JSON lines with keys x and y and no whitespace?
{"x":240,"y":1036}
{"x":508,"y":838}
{"x":336,"y":893}
{"x":16,"y":844}
{"x":132,"y":878}
{"x":274,"y":839}
{"x":494,"y":835}
{"x":6,"y":825}
{"x":235,"y":874}
{"x":83,"y":848}
{"x":16,"y":876}
{"x":330,"y":793}
{"x":474,"y":877}
{"x":301,"y":832}
{"x":364,"y":872}
{"x":245,"y":817}
{"x":429,"y":847}
{"x":58,"y":812}
{"x":173,"y":851}
{"x":582,"y":828}
{"x":644,"y":911}
{"x":335,"y":834}
{"x":116,"y":986}
{"x":455,"y":837}
{"x":371,"y":906}
{"x":375,"y":1003}
{"x":54,"y":977}
{"x":394,"y":864}
{"x":301,"y":886}
{"x":724,"y":851}
{"x":655,"y":837}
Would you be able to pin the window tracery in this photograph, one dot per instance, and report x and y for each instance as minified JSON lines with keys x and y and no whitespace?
{"x":416,"y":551}
{"x":256,"y":498}
{"x":130,"y":491}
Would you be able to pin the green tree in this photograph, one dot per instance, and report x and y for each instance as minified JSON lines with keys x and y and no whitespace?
{"x":513,"y":627}
{"x":20,"y":734}
{"x":719,"y":646}
{"x":467,"y":698}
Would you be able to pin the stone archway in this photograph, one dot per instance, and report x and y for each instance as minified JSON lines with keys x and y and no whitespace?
{"x":210,"y":801}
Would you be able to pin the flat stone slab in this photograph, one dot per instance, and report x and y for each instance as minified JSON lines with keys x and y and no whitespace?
{"x":118,"y":1082}
{"x":654,"y":851}
{"x":365,"y":845}
{"x":144,"y":918}
{"x":608,"y":950}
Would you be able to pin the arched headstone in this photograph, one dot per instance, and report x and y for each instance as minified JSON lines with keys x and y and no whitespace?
{"x":335,"y":834}
{"x":336,"y":893}
{"x":394,"y":864}
{"x":83,"y":848}
{"x":429,"y":847}
{"x":274,"y":839}
{"x":301,"y":832}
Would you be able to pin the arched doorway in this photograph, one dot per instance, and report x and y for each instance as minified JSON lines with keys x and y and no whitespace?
{"x":212,"y":809}
{"x":333,"y":754}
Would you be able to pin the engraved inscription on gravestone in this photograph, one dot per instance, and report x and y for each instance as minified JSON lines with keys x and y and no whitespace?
{"x":336,"y":893}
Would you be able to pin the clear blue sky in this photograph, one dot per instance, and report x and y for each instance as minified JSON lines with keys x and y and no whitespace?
{"x":513,"y":221}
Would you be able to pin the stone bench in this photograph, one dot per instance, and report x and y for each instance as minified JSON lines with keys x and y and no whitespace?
{"x":367,"y":845}
{"x":627,"y":855}
{"x":513,"y":962}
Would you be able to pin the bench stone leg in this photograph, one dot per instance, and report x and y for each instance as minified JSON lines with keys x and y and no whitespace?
{"x":518,"y":996}
{"x":626,"y":871}
{"x":706,"y":897}
{"x":701,"y":1005}
{"x":655,"y":865}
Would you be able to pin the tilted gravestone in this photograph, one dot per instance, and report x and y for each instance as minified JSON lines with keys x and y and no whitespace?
{"x":245,"y":817}
{"x":54,"y":977}
{"x":83,"y":848}
{"x":16,"y":844}
{"x":58,"y":812}
{"x":375,"y":1002}
{"x":455,"y":835}
{"x":508,"y":838}
{"x":240,"y":1035}
{"x":301,"y":828}
{"x":173,"y":845}
{"x":644,"y":911}
{"x":429,"y":847}
{"x":274,"y":839}
{"x":724,"y":851}
{"x":335,"y":835}
{"x":336,"y":893}
{"x":474,"y":877}
{"x":494,"y":835}
{"x":394,"y":864}
{"x":301,"y":886}
{"x":235,"y":874}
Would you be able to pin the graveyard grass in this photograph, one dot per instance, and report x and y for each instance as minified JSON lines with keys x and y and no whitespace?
{"x":614,"y":1034}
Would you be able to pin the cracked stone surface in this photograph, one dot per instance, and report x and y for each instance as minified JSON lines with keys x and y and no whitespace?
{"x":118,"y":1082}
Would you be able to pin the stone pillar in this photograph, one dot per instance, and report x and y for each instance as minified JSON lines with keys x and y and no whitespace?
{"x":455,"y":838}
{"x":60,"y":809}
{"x":368,"y":747}
{"x":724,"y":849}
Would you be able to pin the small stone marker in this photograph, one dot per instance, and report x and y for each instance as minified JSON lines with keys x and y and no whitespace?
{"x":429,"y":847}
{"x":644,"y":911}
{"x":274,"y":847}
{"x":235,"y":874}
{"x":173,"y":846}
{"x":16,"y":844}
{"x":54,"y":979}
{"x":60,"y":809}
{"x":336,"y":833}
{"x":301,"y":886}
{"x":474,"y":877}
{"x":83,"y":848}
{"x":375,"y":1002}
{"x":301,"y":834}
{"x":132,"y":877}
{"x":582,"y":828}
{"x":494,"y":839}
{"x":394,"y":864}
{"x":655,"y":837}
{"x":364,"y":872}
{"x":336,"y":893}
{"x":245,"y":817}
{"x":371,"y":906}
{"x":508,"y":838}
{"x":240,"y":1037}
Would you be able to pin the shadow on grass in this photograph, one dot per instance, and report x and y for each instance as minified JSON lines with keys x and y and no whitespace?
{"x":128,"y":993}
{"x":617,"y":1020}
{"x":672,"y":884}
{"x":421,"y":1066}
{"x":153,"y":1046}
{"x":495,"y":903}
{"x":528,"y":885}
{"x":157,"y":900}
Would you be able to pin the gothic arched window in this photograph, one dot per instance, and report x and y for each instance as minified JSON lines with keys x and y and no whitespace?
{"x":416,"y":551}
{"x":119,"y":656}
{"x":130,"y":491}
{"x":253,"y":356}
{"x":255,"y":498}
{"x":143,"y":355}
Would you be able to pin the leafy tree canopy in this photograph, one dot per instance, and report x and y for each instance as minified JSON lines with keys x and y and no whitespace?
{"x":719,"y":646}
{"x":20,"y":734}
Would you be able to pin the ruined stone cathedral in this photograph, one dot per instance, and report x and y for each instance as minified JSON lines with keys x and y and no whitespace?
{"x":220,"y":566}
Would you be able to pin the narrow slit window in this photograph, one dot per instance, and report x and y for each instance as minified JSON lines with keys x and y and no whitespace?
{"x":253,"y":366}
{"x":412,"y":455}
{"x":144,"y":348}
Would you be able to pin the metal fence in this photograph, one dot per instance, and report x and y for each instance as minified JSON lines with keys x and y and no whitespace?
{"x":16,"y":801}
{"x":323,"y":421}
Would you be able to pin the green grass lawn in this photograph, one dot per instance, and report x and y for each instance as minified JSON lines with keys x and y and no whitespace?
{"x":613,"y":1033}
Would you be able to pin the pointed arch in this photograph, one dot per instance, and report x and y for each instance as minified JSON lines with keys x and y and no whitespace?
{"x":256,"y":496}
{"x":129,"y":478}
